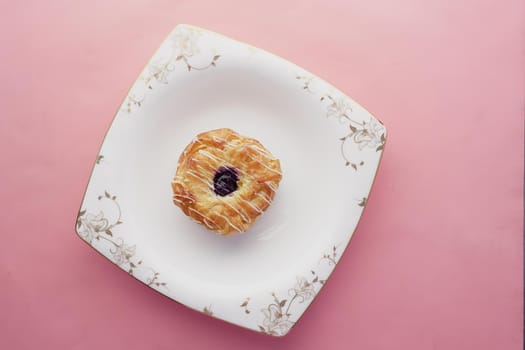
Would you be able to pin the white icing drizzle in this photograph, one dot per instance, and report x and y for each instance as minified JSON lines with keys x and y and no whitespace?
{"x":229,"y":222}
{"x":218,"y":139}
{"x":266,"y":166}
{"x":238,"y":211}
{"x":267,"y":200}
{"x":202,"y":169}
{"x":258,"y":210}
{"x":263,"y":152}
{"x":192,"y":173}
{"x":183,"y":196}
{"x":222,"y":160}
{"x":209,"y":155}
{"x":206,"y":219}
{"x":271,"y":186}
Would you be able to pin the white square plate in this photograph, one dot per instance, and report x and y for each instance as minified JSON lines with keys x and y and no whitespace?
{"x":329,"y":148}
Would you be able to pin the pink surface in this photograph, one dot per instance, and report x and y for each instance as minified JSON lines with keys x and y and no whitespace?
{"x":437,"y":259}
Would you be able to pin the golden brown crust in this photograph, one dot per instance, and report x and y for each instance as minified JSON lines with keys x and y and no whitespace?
{"x":259,"y":174}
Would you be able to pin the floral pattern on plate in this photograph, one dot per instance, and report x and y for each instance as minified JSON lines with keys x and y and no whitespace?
{"x":363,"y":134}
{"x":98,"y":230}
{"x":183,"y":51}
{"x":278,"y":316}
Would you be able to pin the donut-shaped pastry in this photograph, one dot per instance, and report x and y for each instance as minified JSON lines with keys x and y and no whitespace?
{"x":225,"y":181}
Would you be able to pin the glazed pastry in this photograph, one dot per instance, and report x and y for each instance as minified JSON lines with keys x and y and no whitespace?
{"x":225,"y":181}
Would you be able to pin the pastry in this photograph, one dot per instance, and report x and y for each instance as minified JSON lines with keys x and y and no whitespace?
{"x":225,"y":181}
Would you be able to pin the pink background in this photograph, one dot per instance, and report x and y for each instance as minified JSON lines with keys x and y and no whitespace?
{"x":437,"y":259}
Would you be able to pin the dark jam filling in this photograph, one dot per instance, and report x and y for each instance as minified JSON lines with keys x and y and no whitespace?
{"x":225,"y":181}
